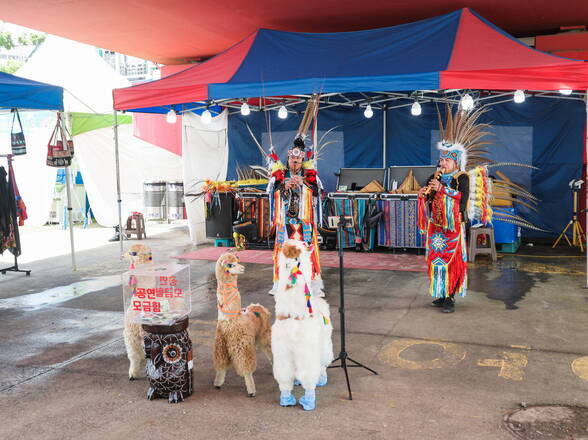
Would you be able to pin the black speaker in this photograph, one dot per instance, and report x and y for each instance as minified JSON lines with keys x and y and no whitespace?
{"x":219,"y":223}
{"x":354,"y":179}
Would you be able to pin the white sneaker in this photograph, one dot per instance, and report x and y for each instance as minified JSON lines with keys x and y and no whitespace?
{"x":272,"y":292}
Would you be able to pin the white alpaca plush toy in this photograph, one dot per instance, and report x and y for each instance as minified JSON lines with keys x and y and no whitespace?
{"x":301,"y":334}
{"x":137,"y":255}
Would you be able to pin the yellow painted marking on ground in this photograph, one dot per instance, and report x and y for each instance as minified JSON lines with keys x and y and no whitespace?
{"x":548,"y":268}
{"x":525,"y":266}
{"x":511,"y":366}
{"x":391,"y":354}
{"x":580,"y":367}
{"x":522,"y":347}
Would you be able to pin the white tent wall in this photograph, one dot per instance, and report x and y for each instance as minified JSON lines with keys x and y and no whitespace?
{"x":205,"y":151}
{"x":88,"y":80}
{"x":140,"y":161}
{"x":35,"y":180}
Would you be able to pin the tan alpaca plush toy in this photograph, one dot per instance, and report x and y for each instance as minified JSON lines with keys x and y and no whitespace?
{"x":238,"y":331}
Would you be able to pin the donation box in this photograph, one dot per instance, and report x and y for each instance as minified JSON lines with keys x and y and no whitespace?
{"x":157,"y":294}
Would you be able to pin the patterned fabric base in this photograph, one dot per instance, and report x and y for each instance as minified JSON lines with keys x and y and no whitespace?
{"x":357,"y":209}
{"x":398,"y":227}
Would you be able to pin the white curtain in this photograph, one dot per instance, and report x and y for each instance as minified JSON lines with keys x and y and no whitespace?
{"x":206,"y":153}
{"x":140,"y":161}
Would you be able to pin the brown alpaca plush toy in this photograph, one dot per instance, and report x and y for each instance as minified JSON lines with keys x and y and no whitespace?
{"x":239,"y":331}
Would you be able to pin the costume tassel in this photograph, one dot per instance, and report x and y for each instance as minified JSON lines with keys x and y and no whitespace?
{"x":422,"y":215}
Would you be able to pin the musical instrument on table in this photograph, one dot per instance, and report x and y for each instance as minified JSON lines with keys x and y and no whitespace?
{"x":252,"y":195}
{"x":352,"y":195}
{"x":390,"y":196}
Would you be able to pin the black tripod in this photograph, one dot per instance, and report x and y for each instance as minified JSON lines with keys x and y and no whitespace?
{"x":343,"y":357}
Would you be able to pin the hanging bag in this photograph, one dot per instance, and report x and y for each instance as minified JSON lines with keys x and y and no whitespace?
{"x":60,"y":149}
{"x":17,"y":139}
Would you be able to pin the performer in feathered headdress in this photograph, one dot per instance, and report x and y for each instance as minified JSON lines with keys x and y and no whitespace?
{"x":295,"y":192}
{"x":442,"y":214}
{"x":460,"y":191}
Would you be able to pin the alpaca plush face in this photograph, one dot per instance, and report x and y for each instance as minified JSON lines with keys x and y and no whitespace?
{"x":228,"y":264}
{"x":295,"y":255}
{"x":138,"y":254}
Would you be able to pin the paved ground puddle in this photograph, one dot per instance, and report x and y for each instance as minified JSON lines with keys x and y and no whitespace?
{"x":60,"y":294}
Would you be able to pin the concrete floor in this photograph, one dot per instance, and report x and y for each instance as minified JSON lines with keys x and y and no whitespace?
{"x":520,"y":336}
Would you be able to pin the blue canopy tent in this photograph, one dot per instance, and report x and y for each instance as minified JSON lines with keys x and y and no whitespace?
{"x":21,"y":93}
{"x":25,"y":94}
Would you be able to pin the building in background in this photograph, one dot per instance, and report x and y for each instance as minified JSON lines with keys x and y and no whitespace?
{"x":134,"y":69}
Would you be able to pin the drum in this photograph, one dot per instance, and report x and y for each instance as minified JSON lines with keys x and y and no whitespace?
{"x":175,"y":200}
{"x":154,"y":200}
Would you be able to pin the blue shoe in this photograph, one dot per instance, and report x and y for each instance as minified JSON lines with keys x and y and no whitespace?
{"x":297,"y":383}
{"x":287,"y":399}
{"x":308,"y":402}
{"x":322,"y":381}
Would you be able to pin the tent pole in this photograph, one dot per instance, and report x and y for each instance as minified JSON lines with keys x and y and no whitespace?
{"x":384,"y":119}
{"x":69,"y":209}
{"x":118,"y":199}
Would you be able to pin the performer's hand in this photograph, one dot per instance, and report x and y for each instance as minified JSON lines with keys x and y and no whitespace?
{"x":422,"y":191}
{"x":436,"y":185}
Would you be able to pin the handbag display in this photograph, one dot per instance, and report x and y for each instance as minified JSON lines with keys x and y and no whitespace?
{"x":17,"y":138}
{"x":60,"y":149}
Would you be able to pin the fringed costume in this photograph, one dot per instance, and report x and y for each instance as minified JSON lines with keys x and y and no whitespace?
{"x":295,"y":211}
{"x":441,"y":219}
{"x":465,"y":194}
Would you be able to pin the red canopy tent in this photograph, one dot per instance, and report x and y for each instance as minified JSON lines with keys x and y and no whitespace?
{"x":456,"y":50}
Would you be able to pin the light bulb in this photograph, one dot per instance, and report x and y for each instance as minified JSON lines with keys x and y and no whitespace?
{"x":171,"y":117}
{"x":566,"y":92}
{"x":368,"y":113}
{"x":416,"y":109}
{"x":467,"y":102}
{"x":282,"y":112}
{"x":245,"y":109}
{"x":206,"y":117}
{"x":519,"y":96}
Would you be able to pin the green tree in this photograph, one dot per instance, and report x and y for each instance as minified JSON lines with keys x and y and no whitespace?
{"x":6,"y":40}
{"x":30,"y":39}
{"x":37,"y":39}
{"x":10,"y":66}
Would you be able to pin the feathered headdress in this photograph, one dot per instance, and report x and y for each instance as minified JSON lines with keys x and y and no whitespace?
{"x":462,"y":137}
{"x":465,"y":140}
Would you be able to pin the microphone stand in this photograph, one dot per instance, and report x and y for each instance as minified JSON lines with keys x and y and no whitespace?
{"x":343,"y":357}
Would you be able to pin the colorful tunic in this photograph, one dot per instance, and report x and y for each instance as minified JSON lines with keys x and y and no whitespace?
{"x":441,"y":218}
{"x":294,"y":216}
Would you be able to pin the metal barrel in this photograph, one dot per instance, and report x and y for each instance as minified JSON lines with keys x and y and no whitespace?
{"x":175,"y":200}
{"x":154,"y":200}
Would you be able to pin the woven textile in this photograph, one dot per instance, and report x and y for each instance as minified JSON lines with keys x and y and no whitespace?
{"x":398,"y":227}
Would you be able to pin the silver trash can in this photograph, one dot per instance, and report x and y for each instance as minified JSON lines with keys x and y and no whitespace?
{"x":175,"y":200}
{"x":154,"y":200}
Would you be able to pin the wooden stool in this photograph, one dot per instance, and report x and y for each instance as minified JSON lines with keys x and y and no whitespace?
{"x":136,"y":225}
{"x":475,"y":250}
